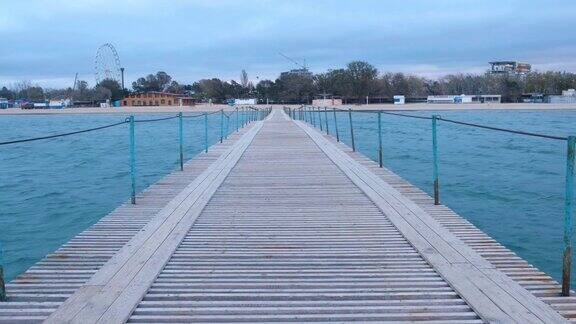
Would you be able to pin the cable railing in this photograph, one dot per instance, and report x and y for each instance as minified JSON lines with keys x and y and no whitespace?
{"x":244,"y":116}
{"x":318,"y":117}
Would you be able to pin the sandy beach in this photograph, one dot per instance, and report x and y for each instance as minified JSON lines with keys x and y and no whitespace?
{"x":210,"y":108}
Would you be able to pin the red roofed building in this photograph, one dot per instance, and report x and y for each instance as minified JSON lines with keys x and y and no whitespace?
{"x":156,"y":98}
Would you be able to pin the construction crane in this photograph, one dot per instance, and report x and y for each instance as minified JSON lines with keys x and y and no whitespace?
{"x":302,"y":66}
{"x":74,"y":86}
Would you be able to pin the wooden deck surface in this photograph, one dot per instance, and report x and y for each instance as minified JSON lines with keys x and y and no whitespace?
{"x":282,"y":224}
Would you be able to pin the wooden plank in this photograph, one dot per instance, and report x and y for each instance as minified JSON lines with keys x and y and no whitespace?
{"x":127,"y":276}
{"x":263,"y":245}
{"x":268,"y":238}
{"x":432,"y":240}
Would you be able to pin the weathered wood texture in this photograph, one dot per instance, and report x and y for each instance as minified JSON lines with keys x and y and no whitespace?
{"x":295,"y":228}
{"x":288,"y":237}
{"x":43,"y":287}
{"x":532,"y":279}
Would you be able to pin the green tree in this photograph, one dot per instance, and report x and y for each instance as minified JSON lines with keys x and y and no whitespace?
{"x":362,"y":78}
{"x":295,"y":88}
{"x":6,"y":93}
{"x":115,"y":89}
{"x":153,"y":82}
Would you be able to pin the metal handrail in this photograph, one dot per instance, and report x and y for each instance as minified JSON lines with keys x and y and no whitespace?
{"x":255,"y":114}
{"x":306,"y":114}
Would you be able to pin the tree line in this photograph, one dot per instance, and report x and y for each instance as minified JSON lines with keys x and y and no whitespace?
{"x":352,"y":83}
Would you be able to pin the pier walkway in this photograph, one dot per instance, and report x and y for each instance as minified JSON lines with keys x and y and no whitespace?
{"x":280,"y":223}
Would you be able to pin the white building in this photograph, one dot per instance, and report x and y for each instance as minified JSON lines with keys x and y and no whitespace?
{"x":327,"y":102}
{"x":444,"y":99}
{"x":457,"y":99}
{"x":568,"y":96}
{"x":245,"y":101}
{"x":399,"y":100}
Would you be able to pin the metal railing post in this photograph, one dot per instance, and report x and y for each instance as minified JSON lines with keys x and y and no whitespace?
{"x":221,"y":125}
{"x":132,"y":161}
{"x":181,"y":140}
{"x":351,"y":129}
{"x":336,"y":125}
{"x":313,"y":117}
{"x":3,"y":296}
{"x":227,"y":127}
{"x":568,"y":216}
{"x":237,"y":119}
{"x":206,"y":132}
{"x":435,"y":159}
{"x":326,"y":120}
{"x":380,"y":162}
{"x":320,"y":118}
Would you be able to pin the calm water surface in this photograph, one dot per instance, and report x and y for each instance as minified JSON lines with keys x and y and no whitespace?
{"x":51,"y":190}
{"x":510,"y":186}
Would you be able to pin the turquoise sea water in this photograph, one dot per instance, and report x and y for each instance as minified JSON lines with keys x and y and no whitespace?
{"x":51,"y":190}
{"x":510,"y":186}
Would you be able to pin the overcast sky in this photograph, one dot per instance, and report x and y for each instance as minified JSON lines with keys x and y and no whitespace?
{"x":48,"y":41}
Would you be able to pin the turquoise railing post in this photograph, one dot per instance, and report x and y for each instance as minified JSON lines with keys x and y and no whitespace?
{"x":221,"y":125}
{"x":227,"y":127}
{"x":336,"y":125}
{"x":132,"y":160}
{"x":237,"y":119}
{"x":380,"y":162}
{"x":206,"y":132}
{"x":568,"y":216}
{"x":3,"y":297}
{"x":351,"y":129}
{"x":320,"y":118}
{"x":313,"y":116}
{"x":326,"y":120}
{"x":435,"y":159}
{"x":181,"y":140}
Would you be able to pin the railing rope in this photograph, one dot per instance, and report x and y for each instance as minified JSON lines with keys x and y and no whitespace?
{"x":132,"y":160}
{"x":351,"y":130}
{"x":131,"y":121}
{"x":309,"y":116}
{"x":435,"y":159}
{"x":568,"y":216}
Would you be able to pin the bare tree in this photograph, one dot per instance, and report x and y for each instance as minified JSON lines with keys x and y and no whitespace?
{"x":244,"y":79}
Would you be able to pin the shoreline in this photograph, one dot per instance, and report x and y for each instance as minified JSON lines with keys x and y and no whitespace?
{"x":212,"y":108}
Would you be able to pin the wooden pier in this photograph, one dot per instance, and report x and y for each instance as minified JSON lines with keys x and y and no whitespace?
{"x":280,"y":223}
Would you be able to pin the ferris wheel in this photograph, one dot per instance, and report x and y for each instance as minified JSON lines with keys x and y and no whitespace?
{"x":107,"y":64}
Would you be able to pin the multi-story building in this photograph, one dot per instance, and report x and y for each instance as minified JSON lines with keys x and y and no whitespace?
{"x":509,"y":67}
{"x":156,"y":98}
